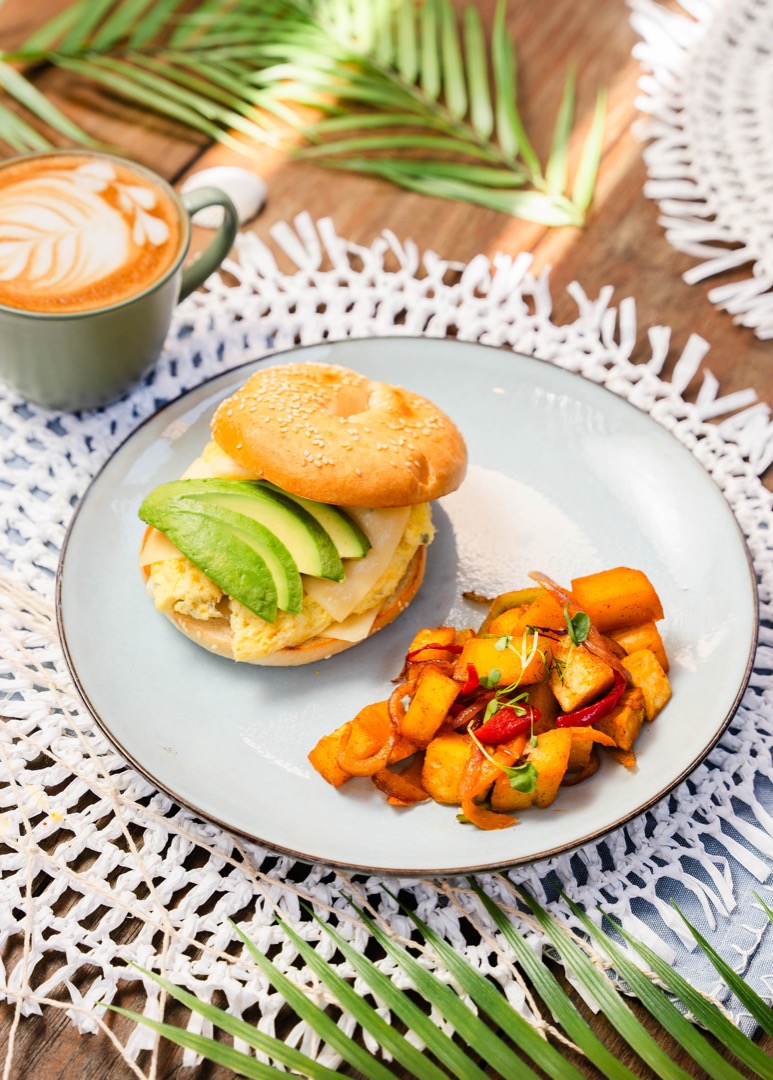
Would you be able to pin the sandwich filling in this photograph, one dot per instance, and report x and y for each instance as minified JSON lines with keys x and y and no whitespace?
{"x":345,"y":609}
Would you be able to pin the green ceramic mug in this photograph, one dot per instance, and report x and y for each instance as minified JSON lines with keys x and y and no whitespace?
{"x":92,"y":248}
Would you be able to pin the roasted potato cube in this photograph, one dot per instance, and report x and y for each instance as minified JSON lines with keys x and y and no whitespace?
{"x":485,"y":658}
{"x":545,"y":611}
{"x":624,"y":723}
{"x":542,"y":697}
{"x":647,"y":673}
{"x":577,"y":677}
{"x":644,"y":636}
{"x":434,"y":696}
{"x":580,"y":749}
{"x":445,"y":760}
{"x":402,"y":749}
{"x":550,"y":757}
{"x":614,"y":599}
{"x":503,"y":797}
{"x":438,"y":635}
{"x":625,"y":757}
{"x":324,"y":757}
{"x":509,"y":622}
{"x":583,"y":740}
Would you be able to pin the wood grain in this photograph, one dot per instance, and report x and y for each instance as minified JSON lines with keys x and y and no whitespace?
{"x":623,"y":244}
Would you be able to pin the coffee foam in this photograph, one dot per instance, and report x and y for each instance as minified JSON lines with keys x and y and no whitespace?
{"x":80,"y":232}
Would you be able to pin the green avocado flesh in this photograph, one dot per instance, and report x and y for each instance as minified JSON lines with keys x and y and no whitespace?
{"x":349,"y":539}
{"x":241,"y":556}
{"x":252,"y":540}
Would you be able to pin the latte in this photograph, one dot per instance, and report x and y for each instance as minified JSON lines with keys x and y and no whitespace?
{"x":79,"y":233}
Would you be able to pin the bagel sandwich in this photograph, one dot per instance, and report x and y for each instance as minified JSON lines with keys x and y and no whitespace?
{"x":302,"y":528}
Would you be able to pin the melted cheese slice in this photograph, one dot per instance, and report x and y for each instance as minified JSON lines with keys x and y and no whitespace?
{"x":355,"y":628}
{"x":156,"y":548}
{"x":215,"y":464}
{"x":384,"y":529}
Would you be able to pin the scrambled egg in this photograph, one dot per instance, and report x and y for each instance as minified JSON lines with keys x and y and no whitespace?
{"x":179,"y":586}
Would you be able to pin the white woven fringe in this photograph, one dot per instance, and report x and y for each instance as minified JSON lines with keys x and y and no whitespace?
{"x":93,"y":850}
{"x":706,"y":92}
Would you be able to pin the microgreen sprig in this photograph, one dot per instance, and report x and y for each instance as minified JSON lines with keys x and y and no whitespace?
{"x":521,"y":777}
{"x":578,"y":626}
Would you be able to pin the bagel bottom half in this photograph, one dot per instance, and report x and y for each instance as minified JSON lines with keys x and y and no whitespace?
{"x":215,"y":635}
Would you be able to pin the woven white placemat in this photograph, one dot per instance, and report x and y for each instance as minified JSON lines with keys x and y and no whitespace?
{"x":98,"y":867}
{"x":707,"y":94}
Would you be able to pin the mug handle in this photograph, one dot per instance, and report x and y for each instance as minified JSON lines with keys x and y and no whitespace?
{"x":212,"y":256}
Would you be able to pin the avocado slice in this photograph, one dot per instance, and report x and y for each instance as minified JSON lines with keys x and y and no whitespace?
{"x":349,"y":539}
{"x":309,"y":544}
{"x":240,"y":555}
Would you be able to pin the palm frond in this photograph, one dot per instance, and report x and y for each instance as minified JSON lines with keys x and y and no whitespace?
{"x":486,"y":1027}
{"x":748,"y":997}
{"x":230,"y":69}
{"x":558,"y":162}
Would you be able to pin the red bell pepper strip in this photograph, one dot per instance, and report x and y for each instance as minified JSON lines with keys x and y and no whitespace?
{"x":591,"y":713}
{"x":506,"y":723}
{"x":473,"y":681}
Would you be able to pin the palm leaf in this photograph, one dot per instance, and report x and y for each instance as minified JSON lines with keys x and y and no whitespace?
{"x":481,"y":112}
{"x":605,"y":995}
{"x":491,"y":1001}
{"x":116,"y":28}
{"x":89,"y":17}
{"x":555,"y":173}
{"x":239,"y":1063}
{"x":46,"y":36}
{"x":431,"y":79}
{"x":659,"y":1005}
{"x":20,"y":135}
{"x":22,"y":91}
{"x":768,"y":911}
{"x":384,"y":48}
{"x":388,"y":1038}
{"x":226,"y":68}
{"x":453,"y":68}
{"x":239,"y":1029}
{"x":510,"y":130}
{"x":704,"y":1011}
{"x":316,"y":1017}
{"x":748,"y":997}
{"x":549,"y":989}
{"x":587,"y":170}
{"x":469,"y":1027}
{"x":448,"y":1053}
{"x":407,"y":47}
{"x":475,"y":1037}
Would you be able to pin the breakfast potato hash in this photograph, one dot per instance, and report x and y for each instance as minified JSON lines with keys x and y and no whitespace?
{"x":496,"y":721}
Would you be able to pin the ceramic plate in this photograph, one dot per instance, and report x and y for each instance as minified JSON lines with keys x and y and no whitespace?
{"x":564,"y":477}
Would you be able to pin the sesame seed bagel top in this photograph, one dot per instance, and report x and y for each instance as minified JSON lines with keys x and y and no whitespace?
{"x":327,"y":433}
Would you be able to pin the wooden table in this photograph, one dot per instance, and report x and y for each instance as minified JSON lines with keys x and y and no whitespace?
{"x":622,"y":245}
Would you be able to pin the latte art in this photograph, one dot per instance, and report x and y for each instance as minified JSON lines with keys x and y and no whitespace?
{"x":78,"y":233}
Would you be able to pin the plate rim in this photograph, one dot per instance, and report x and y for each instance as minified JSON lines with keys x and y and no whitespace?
{"x":310,"y":859}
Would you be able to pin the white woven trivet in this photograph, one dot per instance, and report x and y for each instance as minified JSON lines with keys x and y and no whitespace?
{"x":98,"y":867}
{"x":707,"y":92}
